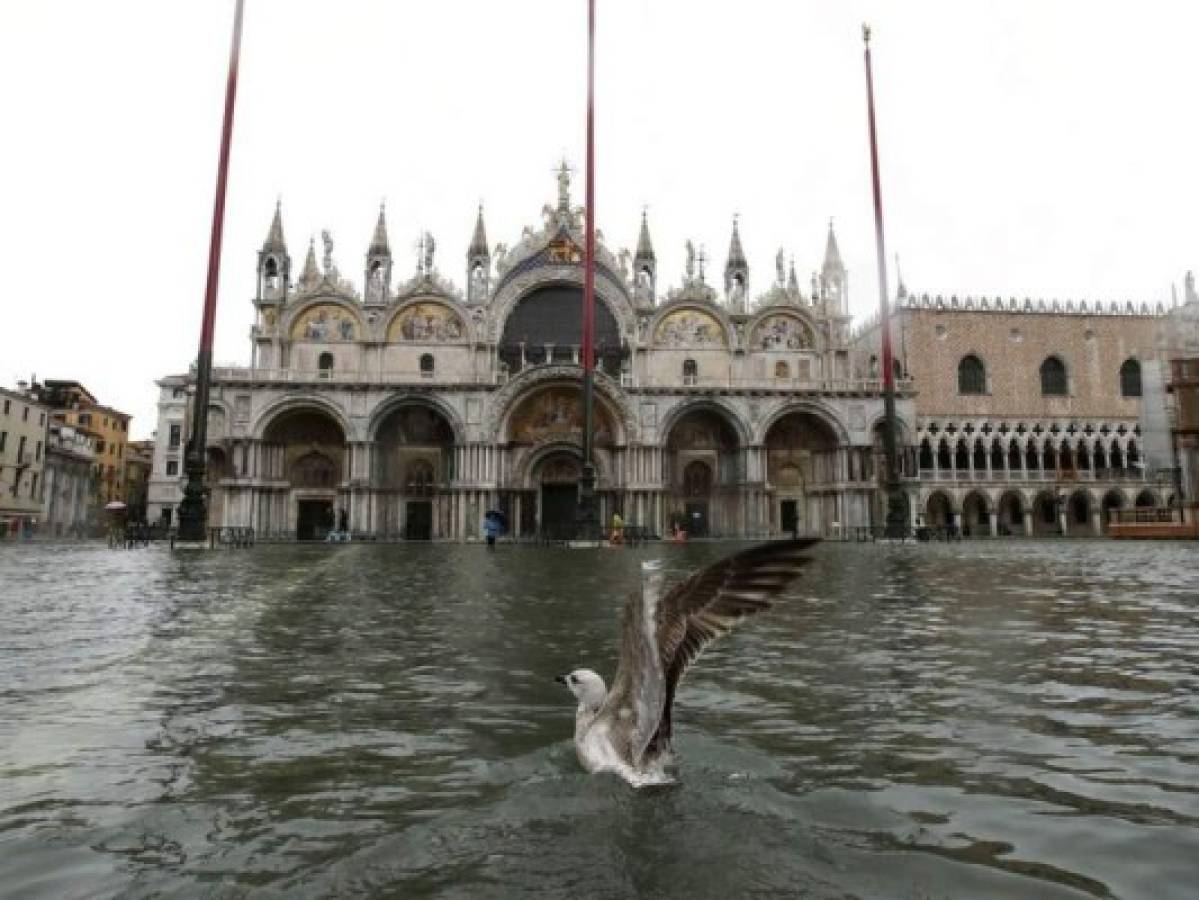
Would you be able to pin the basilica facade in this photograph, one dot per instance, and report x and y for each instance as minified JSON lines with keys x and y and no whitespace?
{"x":408,"y":407}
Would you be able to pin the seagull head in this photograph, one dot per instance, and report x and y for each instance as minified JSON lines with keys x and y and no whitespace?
{"x":587,"y":686}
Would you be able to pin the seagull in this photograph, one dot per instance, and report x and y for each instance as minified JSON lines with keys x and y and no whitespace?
{"x":627,"y":730}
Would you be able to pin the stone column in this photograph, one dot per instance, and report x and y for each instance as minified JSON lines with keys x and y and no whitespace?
{"x":994,"y":523}
{"x":1028,"y":521}
{"x":1097,"y":520}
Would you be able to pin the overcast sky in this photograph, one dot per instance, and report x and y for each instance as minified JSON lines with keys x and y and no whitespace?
{"x":1028,"y":148}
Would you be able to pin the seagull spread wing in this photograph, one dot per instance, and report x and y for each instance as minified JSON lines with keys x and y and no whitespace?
{"x":709,"y":604}
{"x":633,"y":706}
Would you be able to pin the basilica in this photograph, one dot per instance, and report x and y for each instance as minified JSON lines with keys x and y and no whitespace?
{"x":409,"y":408}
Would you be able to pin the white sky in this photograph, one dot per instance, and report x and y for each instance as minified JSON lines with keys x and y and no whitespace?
{"x":1029,"y":147}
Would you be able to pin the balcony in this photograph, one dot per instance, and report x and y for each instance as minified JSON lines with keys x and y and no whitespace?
{"x":1034,"y":476}
{"x":845,"y":386}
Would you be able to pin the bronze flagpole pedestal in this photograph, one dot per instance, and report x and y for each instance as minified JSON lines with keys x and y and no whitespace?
{"x":897,"y":518}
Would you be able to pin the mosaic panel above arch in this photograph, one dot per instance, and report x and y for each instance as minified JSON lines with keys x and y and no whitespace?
{"x":782,"y":332}
{"x":690,"y":328}
{"x":556,"y":414}
{"x":324,"y":322}
{"x":427,"y":323}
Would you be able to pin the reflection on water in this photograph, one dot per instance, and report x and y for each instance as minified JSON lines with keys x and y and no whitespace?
{"x":983,"y":720}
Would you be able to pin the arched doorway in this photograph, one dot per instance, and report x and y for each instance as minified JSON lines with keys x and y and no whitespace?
{"x":1078,"y":514}
{"x":976,"y":515}
{"x":545,"y":448}
{"x":938,"y":511}
{"x":413,"y":468}
{"x":703,"y":474}
{"x":306,"y":448}
{"x":801,"y":471}
{"x":1045,"y":515}
{"x":1112,"y":501}
{"x":1011,"y":514}
{"x":558,"y":476}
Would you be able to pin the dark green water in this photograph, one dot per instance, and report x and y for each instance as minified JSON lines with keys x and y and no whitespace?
{"x":989,"y":720}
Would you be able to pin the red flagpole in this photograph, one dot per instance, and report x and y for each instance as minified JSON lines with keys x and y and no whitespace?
{"x":193,"y":511}
{"x":587,"y":525}
{"x":589,"y":250}
{"x":896,"y":523}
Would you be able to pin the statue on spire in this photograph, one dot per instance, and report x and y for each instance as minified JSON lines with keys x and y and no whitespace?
{"x":779,"y":268}
{"x":564,"y":187}
{"x":690,"y":269}
{"x":327,"y":240}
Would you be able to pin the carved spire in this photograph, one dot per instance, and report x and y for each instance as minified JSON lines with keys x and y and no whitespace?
{"x":378,"y":263}
{"x":834,"y":279}
{"x":832,"y":254}
{"x":736,"y":254}
{"x":274,"y":239}
{"x":379,"y":245}
{"x":478,"y":243}
{"x":645,"y":247}
{"x":645,"y":267}
{"x":478,"y":263}
{"x":312,"y":273}
{"x":274,"y":265}
{"x":792,"y":280}
{"x":736,"y":272}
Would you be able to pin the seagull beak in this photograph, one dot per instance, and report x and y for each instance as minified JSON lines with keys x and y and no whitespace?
{"x":561,"y":679}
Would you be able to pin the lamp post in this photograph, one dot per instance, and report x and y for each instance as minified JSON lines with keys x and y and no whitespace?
{"x":193,"y":511}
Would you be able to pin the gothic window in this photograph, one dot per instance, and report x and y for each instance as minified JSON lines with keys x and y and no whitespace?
{"x":961,"y":459}
{"x":1013,"y":456}
{"x":1116,"y":457}
{"x":782,"y":370}
{"x":426,"y":365}
{"x":1049,"y":454}
{"x":1133,"y":455}
{"x":1066,"y":456}
{"x":1053,"y":378}
{"x":1032,"y":462}
{"x":980,"y":456}
{"x":690,"y":371}
{"x":1083,"y":456}
{"x":926,"y":454}
{"x":325,"y":364}
{"x":996,"y":455}
{"x":972,"y":376}
{"x":1130,"y":379}
{"x":1100,"y":457}
{"x":943,"y":458}
{"x":271,"y":271}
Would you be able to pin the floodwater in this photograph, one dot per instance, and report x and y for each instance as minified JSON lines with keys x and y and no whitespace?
{"x":999,"y":719}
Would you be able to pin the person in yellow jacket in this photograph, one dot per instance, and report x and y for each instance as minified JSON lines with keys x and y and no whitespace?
{"x":617,"y":528}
